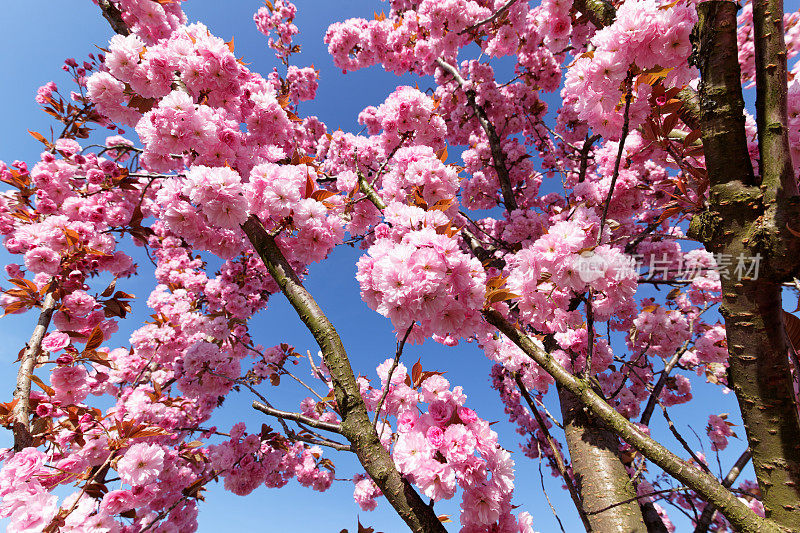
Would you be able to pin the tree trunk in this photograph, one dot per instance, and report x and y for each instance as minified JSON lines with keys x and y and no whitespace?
{"x":599,"y":473}
{"x":745,"y":220}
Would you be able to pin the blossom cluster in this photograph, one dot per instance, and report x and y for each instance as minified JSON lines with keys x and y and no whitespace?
{"x":416,"y":273}
{"x":151,"y":20}
{"x":442,"y":447}
{"x":642,"y":35}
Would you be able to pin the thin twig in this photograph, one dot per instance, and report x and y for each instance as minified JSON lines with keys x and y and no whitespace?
{"x":297,"y":417}
{"x":320,"y":441}
{"x":490,"y":18}
{"x":544,"y":490}
{"x":397,"y":354}
{"x":631,"y":246}
{"x":620,"y":151}
{"x":683,"y":442}
{"x":584,"y":157}
{"x":662,"y":380}
{"x":635,"y":498}
{"x":590,"y":333}
{"x":317,"y":372}
{"x":281,"y":370}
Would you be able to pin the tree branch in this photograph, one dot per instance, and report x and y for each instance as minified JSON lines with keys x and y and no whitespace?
{"x":599,"y":473}
{"x":114,"y":17}
{"x":708,"y":512}
{"x":558,"y":458}
{"x":743,"y":220}
{"x":599,"y":12}
{"x":397,"y":354}
{"x":662,"y":380}
{"x":370,"y":192}
{"x":498,"y":156}
{"x":296,"y":417}
{"x":490,"y":18}
{"x":22,"y":393}
{"x":635,"y":498}
{"x":356,"y":426}
{"x":777,"y":174}
{"x":620,"y":151}
{"x":707,"y":486}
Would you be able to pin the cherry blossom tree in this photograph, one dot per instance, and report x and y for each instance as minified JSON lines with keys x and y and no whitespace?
{"x":540,"y":240}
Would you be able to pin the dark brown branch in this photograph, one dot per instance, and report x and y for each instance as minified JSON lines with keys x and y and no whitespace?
{"x":707,"y":486}
{"x":620,"y":151}
{"x":114,"y":17}
{"x":679,"y":437}
{"x":584,"y":156}
{"x":631,"y":246}
{"x":296,"y":417}
{"x":662,"y":380}
{"x":490,"y":18}
{"x":338,"y":446}
{"x":557,"y":458}
{"x":544,"y":490}
{"x":635,"y":498}
{"x":498,"y":155}
{"x":22,"y":392}
{"x":708,"y":512}
{"x":397,"y":354}
{"x":356,"y":426}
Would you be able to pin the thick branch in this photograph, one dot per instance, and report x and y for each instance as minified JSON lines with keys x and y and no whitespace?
{"x":721,"y":101}
{"x":356,"y":426}
{"x":498,"y":155}
{"x":114,"y":17}
{"x":707,"y":486}
{"x":741,"y":223}
{"x":22,"y":393}
{"x":600,"y":475}
{"x":599,"y":12}
{"x":777,"y":175}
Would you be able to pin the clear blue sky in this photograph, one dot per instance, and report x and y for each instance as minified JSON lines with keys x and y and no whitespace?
{"x":35,"y":38}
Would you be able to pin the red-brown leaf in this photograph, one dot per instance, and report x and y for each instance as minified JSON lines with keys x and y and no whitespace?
{"x":95,"y":339}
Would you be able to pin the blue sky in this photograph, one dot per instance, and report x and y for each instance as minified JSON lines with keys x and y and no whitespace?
{"x":35,"y":38}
